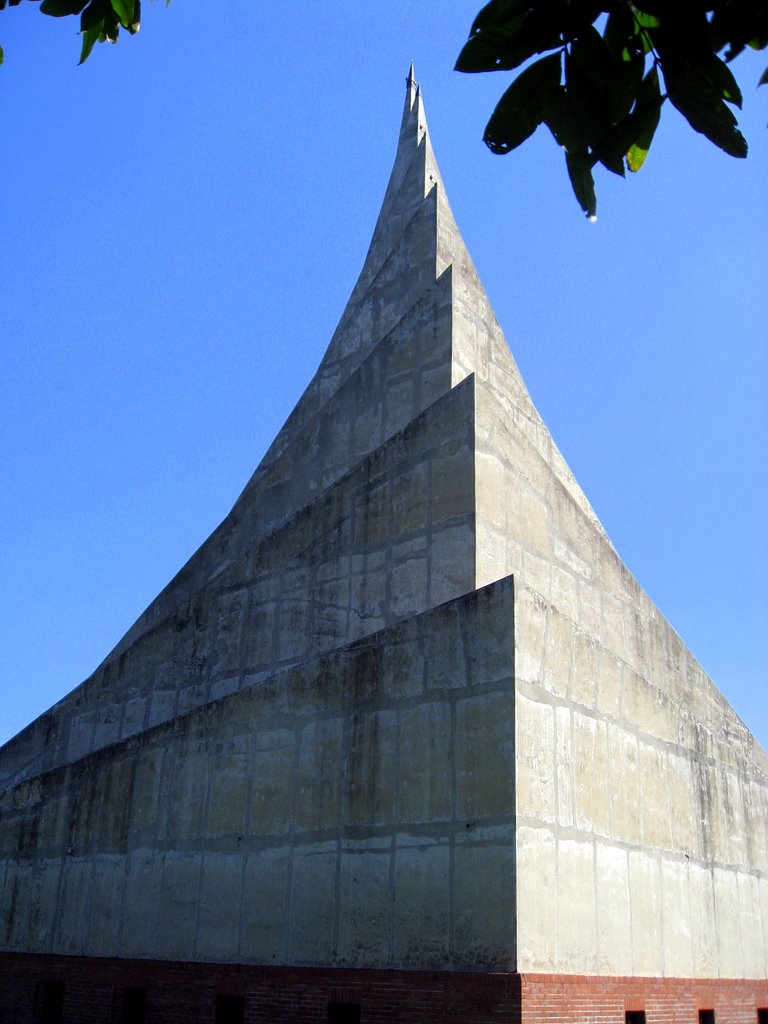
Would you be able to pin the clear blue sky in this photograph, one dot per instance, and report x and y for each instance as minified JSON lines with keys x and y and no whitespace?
{"x":183,"y":219}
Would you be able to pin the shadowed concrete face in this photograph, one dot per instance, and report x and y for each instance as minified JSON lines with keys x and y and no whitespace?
{"x":351,"y":810}
{"x":340,"y":736}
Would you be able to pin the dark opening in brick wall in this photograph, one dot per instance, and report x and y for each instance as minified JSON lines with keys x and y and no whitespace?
{"x":230,"y":1009}
{"x":706,"y":1017}
{"x":129,"y":1006}
{"x":762,"y":1015}
{"x":634,"y":1017}
{"x":343,"y":1013}
{"x":49,"y":1001}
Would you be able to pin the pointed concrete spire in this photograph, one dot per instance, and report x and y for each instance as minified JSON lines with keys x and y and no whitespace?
{"x":412,"y":87}
{"x":417,"y":325}
{"x":416,"y":246}
{"x":411,"y":93}
{"x":407,"y":181}
{"x":407,"y":210}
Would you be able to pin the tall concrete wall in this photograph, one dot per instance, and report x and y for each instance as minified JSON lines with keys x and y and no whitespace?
{"x":641,"y":810}
{"x":642,"y":798}
{"x":356,"y":810}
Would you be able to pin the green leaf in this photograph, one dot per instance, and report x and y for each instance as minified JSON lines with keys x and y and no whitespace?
{"x":124,"y":10}
{"x":718,"y":74}
{"x":648,"y":95}
{"x":2,"y":56}
{"x":134,"y":26}
{"x":579,"y":17}
{"x":737,"y":25}
{"x":610,"y":154}
{"x":520,"y":110}
{"x":108,"y":24}
{"x":625,"y":84}
{"x":495,"y":13}
{"x":579,"y":166}
{"x":645,"y":20}
{"x":591,"y":105}
{"x":591,"y":53}
{"x":705,"y":112}
{"x":61,"y":8}
{"x":89,"y":39}
{"x":763,"y":78}
{"x":619,"y":29}
{"x":95,"y":15}
{"x":623,"y":137}
{"x":562,"y":119}
{"x":507,"y":46}
{"x":492,"y":50}
{"x":646,"y":24}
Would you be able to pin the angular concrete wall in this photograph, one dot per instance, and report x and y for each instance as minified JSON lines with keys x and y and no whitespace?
{"x":390,"y":359}
{"x":392,"y":537}
{"x":355,"y":810}
{"x":642,"y":798}
{"x":652,"y":824}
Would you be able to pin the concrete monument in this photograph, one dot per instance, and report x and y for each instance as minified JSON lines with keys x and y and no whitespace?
{"x":404,"y":740}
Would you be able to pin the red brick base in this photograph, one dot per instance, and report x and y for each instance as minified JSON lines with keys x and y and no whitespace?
{"x":576,"y":999}
{"x":185,"y":993}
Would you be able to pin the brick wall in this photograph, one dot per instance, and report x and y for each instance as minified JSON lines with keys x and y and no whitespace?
{"x":564,"y":998}
{"x":185,"y":993}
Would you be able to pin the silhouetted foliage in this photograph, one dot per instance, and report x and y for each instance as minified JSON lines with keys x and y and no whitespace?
{"x":100,"y":20}
{"x":609,"y":65}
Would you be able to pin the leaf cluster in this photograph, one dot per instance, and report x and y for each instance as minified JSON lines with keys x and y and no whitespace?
{"x":607,"y":68}
{"x":100,"y":20}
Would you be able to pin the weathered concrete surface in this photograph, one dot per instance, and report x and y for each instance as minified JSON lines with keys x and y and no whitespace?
{"x":389,"y":361}
{"x":358,"y":809}
{"x":647,"y":803}
{"x":392,"y":537}
{"x":245,"y":778}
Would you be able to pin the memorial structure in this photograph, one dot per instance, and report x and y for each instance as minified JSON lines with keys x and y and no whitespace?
{"x":404,"y":740}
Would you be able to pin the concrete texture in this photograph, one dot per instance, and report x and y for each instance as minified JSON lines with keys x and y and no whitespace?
{"x":340,"y":736}
{"x":303,"y":819}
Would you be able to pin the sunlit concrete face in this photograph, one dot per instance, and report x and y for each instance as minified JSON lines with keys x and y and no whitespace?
{"x":406,"y":707}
